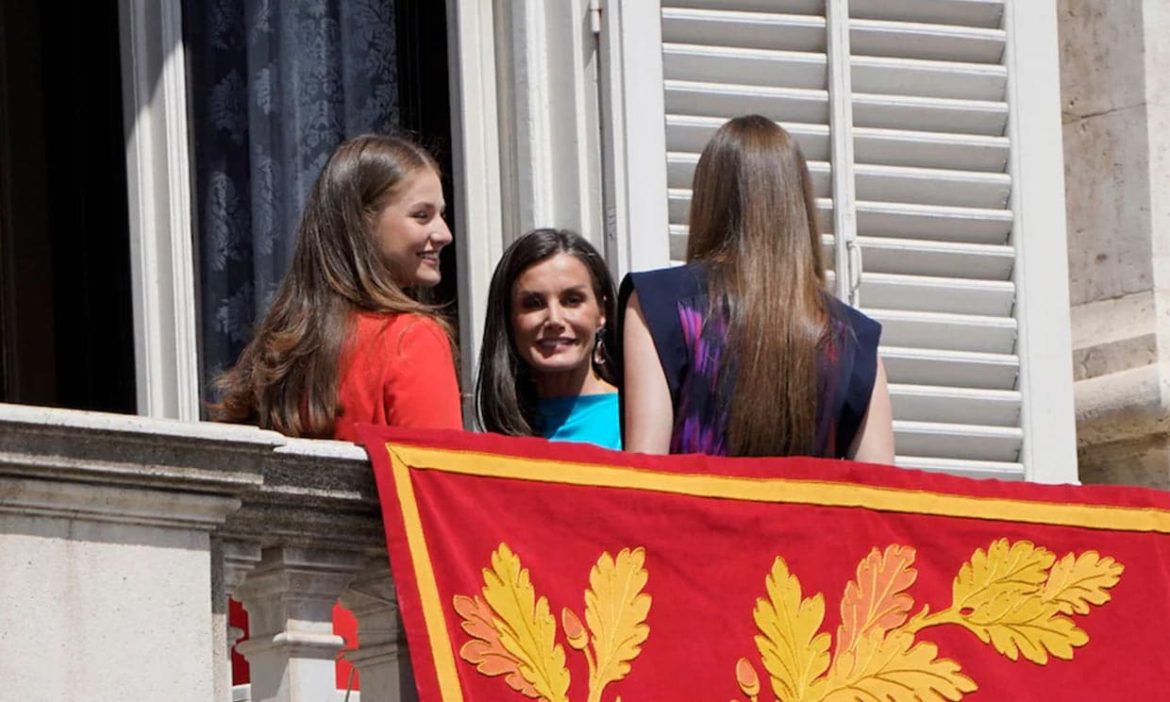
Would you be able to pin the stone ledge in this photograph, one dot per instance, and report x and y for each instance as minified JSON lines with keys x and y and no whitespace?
{"x":271,"y":489}
{"x":1121,"y":390}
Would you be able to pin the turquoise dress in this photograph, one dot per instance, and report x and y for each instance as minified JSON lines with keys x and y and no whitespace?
{"x":592,"y":419}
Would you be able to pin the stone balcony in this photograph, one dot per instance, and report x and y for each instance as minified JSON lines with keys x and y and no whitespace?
{"x":121,"y":538}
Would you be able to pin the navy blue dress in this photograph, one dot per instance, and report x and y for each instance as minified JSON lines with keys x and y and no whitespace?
{"x":693,"y":351}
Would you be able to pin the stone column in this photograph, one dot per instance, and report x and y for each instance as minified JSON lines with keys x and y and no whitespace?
{"x":231,"y":562}
{"x":291,"y":648}
{"x":1116,"y":114}
{"x":381,"y":657}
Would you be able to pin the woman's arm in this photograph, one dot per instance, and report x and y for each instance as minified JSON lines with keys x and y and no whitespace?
{"x":874,"y":442}
{"x":649,"y":416}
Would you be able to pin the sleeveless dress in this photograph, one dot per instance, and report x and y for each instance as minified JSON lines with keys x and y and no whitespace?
{"x":692,"y":347}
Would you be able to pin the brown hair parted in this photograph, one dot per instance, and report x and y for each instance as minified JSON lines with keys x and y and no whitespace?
{"x":753,"y":220}
{"x":287,"y":378}
{"x":505,"y":392}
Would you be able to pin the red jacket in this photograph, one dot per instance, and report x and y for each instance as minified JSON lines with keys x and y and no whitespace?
{"x":397,"y":371}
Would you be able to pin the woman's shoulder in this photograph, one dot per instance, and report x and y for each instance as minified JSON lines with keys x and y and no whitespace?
{"x":866,"y":329}
{"x":396,"y":330}
{"x":687,"y":279}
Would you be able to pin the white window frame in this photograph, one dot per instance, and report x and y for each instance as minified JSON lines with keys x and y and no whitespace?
{"x":637,"y":218}
{"x":475,"y":146}
{"x":162,"y":265}
{"x":1044,"y":339}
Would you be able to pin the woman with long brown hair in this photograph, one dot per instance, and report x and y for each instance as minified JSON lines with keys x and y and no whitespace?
{"x":742,"y":352}
{"x":346,"y":340}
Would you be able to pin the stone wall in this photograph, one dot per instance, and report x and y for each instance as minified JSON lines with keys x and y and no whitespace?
{"x":1115,"y":69}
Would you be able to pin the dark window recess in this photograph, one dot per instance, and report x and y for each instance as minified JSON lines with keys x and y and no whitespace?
{"x":65,"y":306}
{"x":424,"y":109}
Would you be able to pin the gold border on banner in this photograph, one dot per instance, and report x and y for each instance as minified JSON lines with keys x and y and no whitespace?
{"x":788,"y":490}
{"x":428,"y":588}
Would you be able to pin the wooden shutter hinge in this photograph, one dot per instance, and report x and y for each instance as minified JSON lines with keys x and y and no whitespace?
{"x":595,"y":16}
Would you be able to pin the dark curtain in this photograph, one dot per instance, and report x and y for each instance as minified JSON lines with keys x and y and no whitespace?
{"x":275,"y":86}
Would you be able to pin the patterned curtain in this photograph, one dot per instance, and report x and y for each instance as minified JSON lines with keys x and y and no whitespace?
{"x":275,"y":85}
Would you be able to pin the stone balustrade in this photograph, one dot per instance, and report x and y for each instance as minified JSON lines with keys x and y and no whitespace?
{"x":121,"y":538}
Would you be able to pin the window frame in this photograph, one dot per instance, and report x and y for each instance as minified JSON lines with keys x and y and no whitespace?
{"x":162,"y":266}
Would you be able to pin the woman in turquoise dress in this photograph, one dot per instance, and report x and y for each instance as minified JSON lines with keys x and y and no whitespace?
{"x":545,"y":368}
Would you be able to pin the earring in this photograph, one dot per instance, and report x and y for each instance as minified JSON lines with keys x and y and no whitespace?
{"x":599,"y":346}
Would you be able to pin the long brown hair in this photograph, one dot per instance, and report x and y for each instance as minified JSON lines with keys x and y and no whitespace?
{"x":753,"y":220}
{"x":287,"y":378}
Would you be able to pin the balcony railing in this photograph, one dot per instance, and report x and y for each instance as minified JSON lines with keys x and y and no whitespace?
{"x":121,"y":538}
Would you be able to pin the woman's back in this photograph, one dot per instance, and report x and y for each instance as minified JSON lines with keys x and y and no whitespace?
{"x":700,"y":368}
{"x":742,"y":352}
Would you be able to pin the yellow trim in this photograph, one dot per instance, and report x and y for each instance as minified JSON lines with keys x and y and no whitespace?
{"x":424,"y":574}
{"x":785,"y":490}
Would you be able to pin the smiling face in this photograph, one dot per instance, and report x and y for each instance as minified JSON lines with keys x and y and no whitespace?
{"x":410,"y":230}
{"x":555,"y":316}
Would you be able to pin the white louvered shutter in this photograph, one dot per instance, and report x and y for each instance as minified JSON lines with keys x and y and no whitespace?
{"x":911,"y":108}
{"x":930,"y":118}
{"x":723,"y":59}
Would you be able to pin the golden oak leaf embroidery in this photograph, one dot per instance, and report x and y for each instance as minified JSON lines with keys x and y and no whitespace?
{"x":525,"y":626}
{"x":1028,"y":626}
{"x":513,"y":633}
{"x":991,"y":580}
{"x":616,"y":611}
{"x":894,"y":668}
{"x":1078,"y":582}
{"x":1015,"y":596}
{"x":793,"y":652}
{"x":877,"y":599}
{"x":485,"y":650}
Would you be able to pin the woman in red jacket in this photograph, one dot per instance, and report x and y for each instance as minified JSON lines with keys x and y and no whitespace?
{"x":346,"y":340}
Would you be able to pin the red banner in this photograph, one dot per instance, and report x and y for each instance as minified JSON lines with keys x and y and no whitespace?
{"x":529,"y":570}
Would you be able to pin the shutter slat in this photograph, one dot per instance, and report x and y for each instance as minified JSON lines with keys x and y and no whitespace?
{"x":967,"y":13}
{"x":926,"y":41}
{"x":897,"y":147}
{"x":924,"y":403}
{"x":963,"y":441}
{"x":1000,"y":470}
{"x":729,"y":100}
{"x":791,"y":7}
{"x":691,"y":134}
{"x":937,"y":79}
{"x":749,"y":30}
{"x":930,"y":294}
{"x":941,"y":331}
{"x":780,"y":69}
{"x":954,"y":224}
{"x":962,"y":369}
{"x":929,"y":114}
{"x":932,"y":186}
{"x":937,"y":259}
